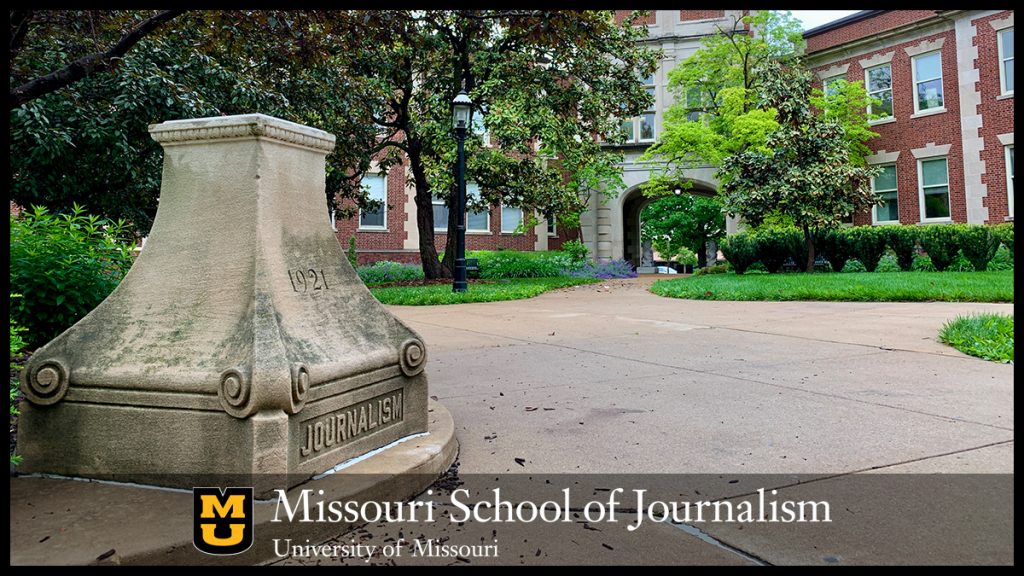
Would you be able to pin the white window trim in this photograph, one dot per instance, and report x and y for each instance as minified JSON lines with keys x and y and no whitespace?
{"x":920,"y":191}
{"x":825,"y":82}
{"x":502,"y":217}
{"x":469,"y":230}
{"x":1009,"y":180}
{"x":1002,"y":63}
{"x":435,"y":201}
{"x":914,"y":82}
{"x":383,"y":207}
{"x":892,"y":95}
{"x":874,"y":209}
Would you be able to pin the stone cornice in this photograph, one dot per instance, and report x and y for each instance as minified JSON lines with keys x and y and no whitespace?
{"x":241,"y":127}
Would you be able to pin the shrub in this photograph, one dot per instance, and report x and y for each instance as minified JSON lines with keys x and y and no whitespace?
{"x":903,"y":241}
{"x":686,"y":256}
{"x":353,"y":258}
{"x":960,"y":264}
{"x":978,"y":245}
{"x":576,"y":250}
{"x":63,"y":266}
{"x":888,"y":263}
{"x":1004,"y":232}
{"x":922,"y":264}
{"x":834,"y":246}
{"x":941,"y":242}
{"x":17,"y":343}
{"x":854,"y":265}
{"x":776,"y":245}
{"x":867,"y":244}
{"x":611,"y":269}
{"x":740,"y":251}
{"x":717,"y":269}
{"x":515,"y":264}
{"x":1003,"y":260}
{"x":385,"y":272}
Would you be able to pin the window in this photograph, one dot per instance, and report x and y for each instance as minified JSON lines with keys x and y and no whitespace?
{"x":479,"y":128}
{"x":511,"y":218}
{"x":1006,"y":61}
{"x":879,"y":84}
{"x":552,"y":231}
{"x":641,"y":128}
{"x":374,"y":218}
{"x":933,"y":180}
{"x":476,"y":221}
{"x":695,"y":103}
{"x":884,"y":186}
{"x":928,"y":82}
{"x":1009,"y":181}
{"x":440,"y":215}
{"x":829,"y":85}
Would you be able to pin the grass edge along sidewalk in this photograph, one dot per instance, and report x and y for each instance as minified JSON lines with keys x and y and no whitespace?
{"x":845,"y":287}
{"x":987,"y":336}
{"x":480,"y":291}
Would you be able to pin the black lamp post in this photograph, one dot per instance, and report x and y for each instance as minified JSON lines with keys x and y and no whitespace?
{"x":461,"y":108}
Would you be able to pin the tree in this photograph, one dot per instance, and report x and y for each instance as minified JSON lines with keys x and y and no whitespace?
{"x":715,"y":111}
{"x":806,"y":172}
{"x":131,"y":31}
{"x":686,"y":221}
{"x":87,"y":142}
{"x":546,"y":83}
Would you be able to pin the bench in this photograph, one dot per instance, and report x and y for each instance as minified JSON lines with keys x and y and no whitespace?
{"x":472,"y":268}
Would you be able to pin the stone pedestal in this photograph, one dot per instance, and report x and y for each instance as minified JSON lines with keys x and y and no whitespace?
{"x":240,"y":343}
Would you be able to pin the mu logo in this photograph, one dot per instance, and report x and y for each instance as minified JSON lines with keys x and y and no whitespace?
{"x":222,"y":520}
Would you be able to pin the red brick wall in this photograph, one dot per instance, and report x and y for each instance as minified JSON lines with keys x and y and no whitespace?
{"x":907,"y":133}
{"x":391,"y":239}
{"x":864,"y":28}
{"x":555,"y":242}
{"x":998,"y":118}
{"x":495,"y":239}
{"x":622,"y":15}
{"x":686,"y":15}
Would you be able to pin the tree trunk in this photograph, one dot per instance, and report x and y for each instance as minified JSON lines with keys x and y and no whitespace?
{"x":432,"y":268}
{"x":809,"y":243}
{"x":702,"y":255}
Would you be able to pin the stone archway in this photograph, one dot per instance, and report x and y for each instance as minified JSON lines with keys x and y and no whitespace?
{"x":633,"y":202}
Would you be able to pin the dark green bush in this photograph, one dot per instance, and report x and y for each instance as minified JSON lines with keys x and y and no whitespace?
{"x":63,"y":266}
{"x":960,"y":264}
{"x":834,"y":246}
{"x":353,"y":258}
{"x":776,"y":245}
{"x":978,"y":244}
{"x":867,"y":244}
{"x":1005,"y":234}
{"x":941,"y":242}
{"x":716,"y":269}
{"x":576,"y":250}
{"x":740,"y":250}
{"x":903,"y":241}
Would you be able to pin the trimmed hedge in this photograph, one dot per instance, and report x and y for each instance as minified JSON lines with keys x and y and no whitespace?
{"x":954,"y":247}
{"x":867,"y":244}
{"x":740,"y":250}
{"x":495,"y":264}
{"x":903,"y":241}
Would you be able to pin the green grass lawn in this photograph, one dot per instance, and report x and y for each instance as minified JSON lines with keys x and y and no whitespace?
{"x":988,"y":336}
{"x":855,"y":287}
{"x":491,"y":291}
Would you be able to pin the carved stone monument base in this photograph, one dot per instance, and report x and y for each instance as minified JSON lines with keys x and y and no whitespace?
{"x":240,"y":343}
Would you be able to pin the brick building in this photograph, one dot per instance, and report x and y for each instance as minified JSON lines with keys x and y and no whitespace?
{"x":945,"y":78}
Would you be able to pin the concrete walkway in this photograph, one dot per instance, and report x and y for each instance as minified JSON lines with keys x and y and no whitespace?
{"x":610,"y":378}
